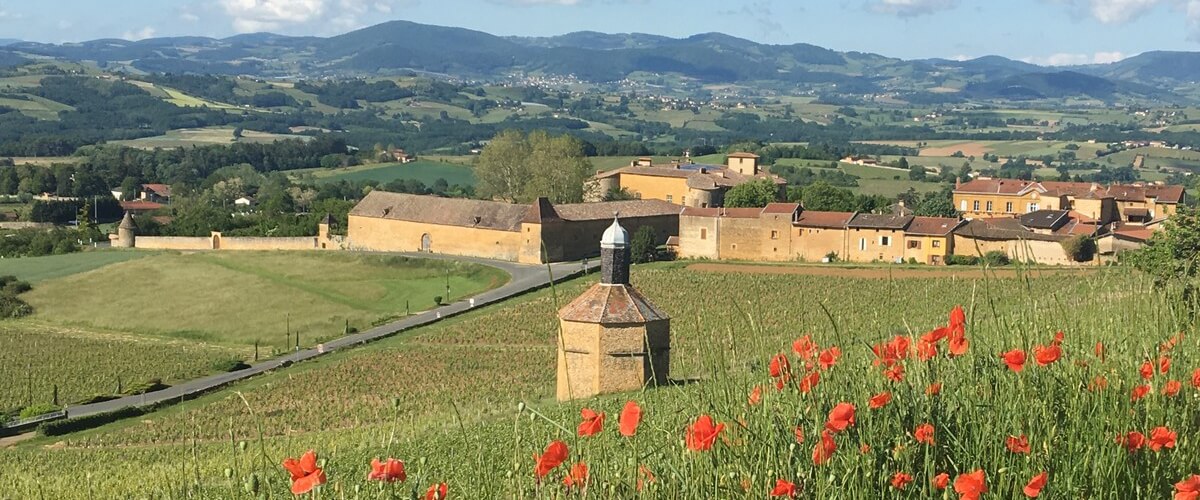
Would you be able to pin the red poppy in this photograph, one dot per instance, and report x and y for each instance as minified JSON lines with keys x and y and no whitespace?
{"x":941,"y":481}
{"x":1196,"y":378}
{"x":926,"y":350}
{"x":555,"y":455}
{"x":880,"y":400}
{"x":305,"y":473}
{"x":1058,"y":338}
{"x":799,"y":434}
{"x":577,"y":477}
{"x":1132,"y":440}
{"x":1147,"y":370}
{"x":1098,"y":383}
{"x":592,"y":423}
{"x":1171,"y":388}
{"x":809,"y":381}
{"x":631,"y":415}
{"x":755,"y":396}
{"x":643,"y":472}
{"x":959,"y":345}
{"x":1045,"y":355}
{"x":1099,"y":350}
{"x":1034,"y":487}
{"x":969,"y":486}
{"x":1017,"y":444}
{"x":1139,"y":392}
{"x":1015,"y":359}
{"x":389,"y":472}
{"x":864,"y":448}
{"x":824,"y":450}
{"x":890,"y":352}
{"x":1161,"y":437}
{"x":957,"y":317}
{"x":924,"y":434}
{"x":900,"y":480}
{"x":703,"y":433}
{"x":934,"y":389}
{"x":804,"y":347}
{"x":840,"y":417}
{"x":436,"y":492}
{"x":1188,"y":489}
{"x":1164,"y":364}
{"x":895,"y":373}
{"x":783,"y":489}
{"x":935,"y":335}
{"x":780,"y":366}
{"x":829,"y":357}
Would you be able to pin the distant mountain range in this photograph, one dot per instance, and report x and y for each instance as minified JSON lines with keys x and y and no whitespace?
{"x":399,"y":46}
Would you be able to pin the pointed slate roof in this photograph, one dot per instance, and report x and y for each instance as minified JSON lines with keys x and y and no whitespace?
{"x":127,"y":222}
{"x":612,"y":305}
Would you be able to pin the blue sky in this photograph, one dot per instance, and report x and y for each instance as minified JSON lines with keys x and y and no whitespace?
{"x":1041,"y":31}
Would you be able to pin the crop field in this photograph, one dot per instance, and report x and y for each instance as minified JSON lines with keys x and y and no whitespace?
{"x":184,"y":138}
{"x":36,"y":107}
{"x":467,"y":402}
{"x":872,"y":180}
{"x":243,"y":298}
{"x":428,"y":172}
{"x":38,"y":269}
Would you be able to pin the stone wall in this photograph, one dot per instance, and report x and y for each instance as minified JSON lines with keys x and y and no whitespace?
{"x":579,"y":239}
{"x":388,"y":235}
{"x":812,"y":244}
{"x":251,"y":243}
{"x":173,"y":242}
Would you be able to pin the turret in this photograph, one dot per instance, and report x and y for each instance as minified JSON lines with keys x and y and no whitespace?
{"x":127,"y":232}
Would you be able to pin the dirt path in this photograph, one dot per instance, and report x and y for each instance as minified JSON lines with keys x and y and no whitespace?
{"x":877,"y":272}
{"x":7,"y":441}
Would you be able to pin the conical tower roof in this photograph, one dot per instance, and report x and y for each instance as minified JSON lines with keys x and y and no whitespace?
{"x":127,"y":222}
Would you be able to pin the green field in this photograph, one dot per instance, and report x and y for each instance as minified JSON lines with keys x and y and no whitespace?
{"x":240,"y":298}
{"x":185,"y":138}
{"x":428,"y":172}
{"x":444,"y":399}
{"x":38,"y":269}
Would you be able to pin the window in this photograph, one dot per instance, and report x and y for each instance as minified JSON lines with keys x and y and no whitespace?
{"x":975,"y":206}
{"x":1008,"y":207}
{"x":885,"y":241}
{"x":774,"y":235}
{"x":937,"y":243}
{"x":703,"y":234}
{"x":862,"y":243}
{"x":963,"y":206}
{"x":914,"y":244}
{"x":670,"y":199}
{"x":989,"y":206}
{"x":1033,"y":207}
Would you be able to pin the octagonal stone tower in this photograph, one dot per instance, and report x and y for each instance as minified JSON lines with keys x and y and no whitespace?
{"x":612,"y":339}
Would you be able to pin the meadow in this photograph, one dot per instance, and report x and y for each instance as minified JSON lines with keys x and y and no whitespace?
{"x":38,"y":269}
{"x":184,"y":138}
{"x":467,"y":402}
{"x":428,"y":172}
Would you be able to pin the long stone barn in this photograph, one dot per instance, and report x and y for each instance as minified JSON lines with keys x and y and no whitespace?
{"x":535,"y":233}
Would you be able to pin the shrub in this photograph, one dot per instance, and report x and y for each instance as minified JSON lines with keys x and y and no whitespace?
{"x":643,"y":247}
{"x":832,"y":256}
{"x":961,"y":260}
{"x":145,"y":387}
{"x":229,"y":365}
{"x":76,"y":424}
{"x":996,"y":258}
{"x":37,"y":409}
{"x":1081,"y":248}
{"x":16,"y":288}
{"x":13,"y":307}
{"x":437,"y":299}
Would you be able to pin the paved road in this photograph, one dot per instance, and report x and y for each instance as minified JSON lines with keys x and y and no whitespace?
{"x":524,"y":279}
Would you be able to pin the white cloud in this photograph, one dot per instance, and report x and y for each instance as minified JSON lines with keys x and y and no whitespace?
{"x":1120,"y":11}
{"x":1070,"y":59}
{"x":142,"y":34}
{"x":271,"y":15}
{"x":1193,"y":19}
{"x":911,"y":8}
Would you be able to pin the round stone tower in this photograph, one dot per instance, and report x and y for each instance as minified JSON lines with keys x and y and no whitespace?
{"x":126,"y":232}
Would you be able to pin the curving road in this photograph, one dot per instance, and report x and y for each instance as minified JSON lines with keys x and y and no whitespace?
{"x":525,"y":278}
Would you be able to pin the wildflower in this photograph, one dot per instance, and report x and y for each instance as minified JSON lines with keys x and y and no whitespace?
{"x":924,"y":434}
{"x":555,"y":455}
{"x":1147,"y":370}
{"x":703,"y":433}
{"x":1015,"y":359}
{"x":1188,"y":489}
{"x":799,"y":434}
{"x":969,"y":486}
{"x":804,"y":347}
{"x":1017,"y":444}
{"x":958,"y":345}
{"x":643,"y":472}
{"x":631,"y":415}
{"x":895,"y":373}
{"x":864,"y":448}
{"x":1132,"y":440}
{"x":1034,"y":487}
{"x":783,"y":489}
{"x":1164,"y":364}
{"x":1139,"y":392}
{"x":1099,"y":350}
{"x":1098,"y":383}
{"x":1196,"y":378}
{"x":829,"y":357}
{"x":436,"y":492}
{"x":926,"y":350}
{"x":592,"y":423}
{"x":941,"y":481}
{"x":577,"y":477}
{"x":933,"y":336}
{"x":809,"y":381}
{"x":934,"y":389}
{"x":840,"y":417}
{"x":755,"y":396}
{"x":880,"y":400}
{"x":390,"y":471}
{"x":824,"y":450}
{"x":900,"y":480}
{"x":1171,"y":388}
{"x":1058,"y":338}
{"x":1161,"y":437}
{"x":305,"y":473}
{"x":781,"y":370}
{"x":1045,"y":355}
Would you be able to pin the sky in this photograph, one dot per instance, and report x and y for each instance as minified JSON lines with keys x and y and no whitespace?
{"x":1048,"y":32}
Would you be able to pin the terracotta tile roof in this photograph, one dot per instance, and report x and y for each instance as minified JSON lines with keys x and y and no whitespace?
{"x":161,"y":189}
{"x":989,"y":185}
{"x":933,"y":226}
{"x":442,"y":211}
{"x":611,"y":305}
{"x":879,"y":221}
{"x":1133,"y":233}
{"x":140,"y":206}
{"x":605,"y":210}
{"x":742,"y":155}
{"x":827,"y":220}
{"x":541,"y":212}
{"x":781,"y":208}
{"x":1085,"y":190}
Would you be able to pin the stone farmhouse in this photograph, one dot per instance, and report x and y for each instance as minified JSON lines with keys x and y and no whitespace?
{"x":683,"y":183}
{"x":1138,"y":203}
{"x":536,"y":233}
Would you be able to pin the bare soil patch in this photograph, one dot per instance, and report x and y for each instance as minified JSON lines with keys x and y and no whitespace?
{"x":975,"y":149}
{"x":879,"y":272}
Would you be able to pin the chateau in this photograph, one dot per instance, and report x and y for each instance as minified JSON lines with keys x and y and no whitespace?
{"x":1138,"y":203}
{"x":687,"y":184}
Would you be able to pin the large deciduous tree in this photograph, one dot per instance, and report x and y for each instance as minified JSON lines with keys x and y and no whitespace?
{"x":519,"y":168}
{"x":754,"y":194}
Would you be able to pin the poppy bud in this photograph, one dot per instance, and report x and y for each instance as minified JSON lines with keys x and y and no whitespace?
{"x":521,"y":407}
{"x":792,"y":448}
{"x":241,"y":446}
{"x":228,"y":473}
{"x":251,"y":485}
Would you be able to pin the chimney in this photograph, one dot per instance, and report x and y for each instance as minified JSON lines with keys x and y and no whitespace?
{"x":957,"y":182}
{"x":614,"y":255}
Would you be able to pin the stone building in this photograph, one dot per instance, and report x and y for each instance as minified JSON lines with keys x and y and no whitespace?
{"x":536,"y":233}
{"x":612,"y":339}
{"x":127,"y":232}
{"x":687,"y":184}
{"x":986,"y":197}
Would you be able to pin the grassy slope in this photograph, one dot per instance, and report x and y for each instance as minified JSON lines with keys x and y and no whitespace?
{"x":223,"y":298}
{"x":427,"y":172}
{"x":456,"y":385}
{"x":38,"y":269}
